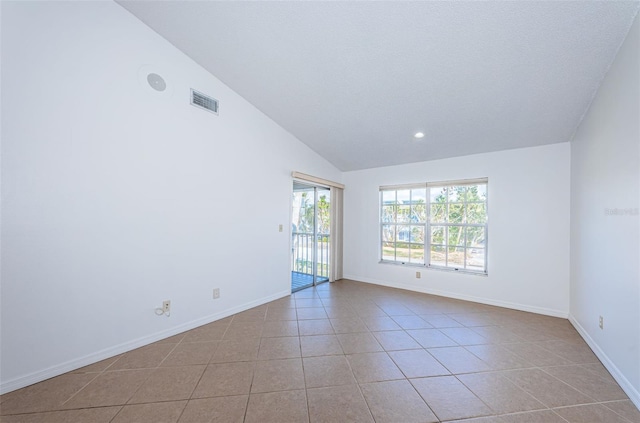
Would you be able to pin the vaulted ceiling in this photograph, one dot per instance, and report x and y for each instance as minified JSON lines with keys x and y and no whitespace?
{"x":355,"y":80}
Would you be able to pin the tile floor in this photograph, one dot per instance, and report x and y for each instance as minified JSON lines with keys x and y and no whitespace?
{"x":344,"y":352}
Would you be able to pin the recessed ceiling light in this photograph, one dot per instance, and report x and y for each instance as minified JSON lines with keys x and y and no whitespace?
{"x":419,"y":135}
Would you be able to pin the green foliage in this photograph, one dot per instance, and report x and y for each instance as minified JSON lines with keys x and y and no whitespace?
{"x":306,"y":214}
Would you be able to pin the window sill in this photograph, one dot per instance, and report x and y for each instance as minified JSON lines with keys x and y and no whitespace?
{"x":440,"y":269}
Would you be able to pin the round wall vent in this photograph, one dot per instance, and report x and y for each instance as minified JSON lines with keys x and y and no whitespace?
{"x":156,"y":82}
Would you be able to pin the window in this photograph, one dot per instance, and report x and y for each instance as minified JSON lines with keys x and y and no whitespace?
{"x":440,"y":225}
{"x":403,"y":218}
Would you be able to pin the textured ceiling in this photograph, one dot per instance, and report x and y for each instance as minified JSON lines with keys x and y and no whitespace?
{"x":355,"y":80}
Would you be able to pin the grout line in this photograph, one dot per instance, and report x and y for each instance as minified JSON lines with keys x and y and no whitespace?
{"x":81,"y":389}
{"x":606,"y":402}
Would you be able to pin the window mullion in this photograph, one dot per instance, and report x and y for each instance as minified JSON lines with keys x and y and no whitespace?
{"x":429,"y":217}
{"x":464,"y":228}
{"x":446,"y":242}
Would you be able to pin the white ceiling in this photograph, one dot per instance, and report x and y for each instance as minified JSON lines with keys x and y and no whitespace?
{"x":355,"y":80}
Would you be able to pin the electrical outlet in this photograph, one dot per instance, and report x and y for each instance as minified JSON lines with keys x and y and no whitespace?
{"x":216,"y":293}
{"x":601,"y":322}
{"x":418,"y":275}
{"x":166,"y":306}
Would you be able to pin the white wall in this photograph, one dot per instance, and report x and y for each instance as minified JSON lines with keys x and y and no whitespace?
{"x":528,"y":262}
{"x":116,"y":197}
{"x":605,"y":248}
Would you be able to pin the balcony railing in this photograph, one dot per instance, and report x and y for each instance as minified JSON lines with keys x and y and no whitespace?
{"x":302,"y":254}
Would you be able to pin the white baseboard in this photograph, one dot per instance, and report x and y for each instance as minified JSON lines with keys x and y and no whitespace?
{"x":487,"y":301}
{"x":57,"y":370}
{"x":627,"y":387}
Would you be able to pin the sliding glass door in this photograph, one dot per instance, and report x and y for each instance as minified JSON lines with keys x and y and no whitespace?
{"x":310,"y":232}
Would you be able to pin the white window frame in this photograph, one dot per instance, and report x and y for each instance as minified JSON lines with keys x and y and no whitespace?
{"x":428,"y":225}
{"x":396,"y":224}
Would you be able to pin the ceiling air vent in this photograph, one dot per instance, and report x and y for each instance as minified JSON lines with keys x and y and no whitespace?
{"x":204,"y":101}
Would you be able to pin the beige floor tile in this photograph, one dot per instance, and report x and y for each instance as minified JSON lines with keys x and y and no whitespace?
{"x":222,"y":322}
{"x":543,"y":416}
{"x":464,"y":336}
{"x":396,"y":401}
{"x":497,"y":334}
{"x":394,"y":340}
{"x":278,"y":375}
{"x":338,"y":404}
{"x":567,"y":334}
{"x":545,"y":388}
{"x":277,"y":328}
{"x":98,"y":367}
{"x":285,"y":302}
{"x":348,"y":325}
{"x":599,"y":369}
{"x":143,"y":358}
{"x":161,"y":412}
{"x":339,"y":312}
{"x":255,"y":314}
{"x":308,"y":302}
{"x":274,"y":348}
{"x":417,"y":363}
{"x":175,"y":339}
{"x":207,"y":333}
{"x":187,"y":354}
{"x":625,"y":409}
{"x":372,"y":310}
{"x":499,"y":393}
{"x":474,"y":319}
{"x":530,"y":333}
{"x":431,"y":338}
{"x":544,"y":358}
{"x":576,"y":353}
{"x":449,"y":398}
{"x":281,"y":314}
{"x":536,"y":355}
{"x":182,"y":382}
{"x":497,"y":357}
{"x":9,"y":395}
{"x":489,"y":419}
{"x":396,"y":309}
{"x":587,"y":382}
{"x":327,"y":371}
{"x":335,"y":301}
{"x":47,"y":395}
{"x":236,"y":350}
{"x":320,"y":345}
{"x":591,"y":413}
{"x":306,"y":293}
{"x":411,"y":322}
{"x":358,"y":342}
{"x":458,"y":360}
{"x":441,"y":321}
{"x":380,"y":323}
{"x":374,"y":367}
{"x":93,"y":415}
{"x":243,"y":330}
{"x":110,"y":388}
{"x":311,"y":313}
{"x":215,"y":410}
{"x":428,"y":308}
{"x":222,"y":379}
{"x":278,"y":407}
{"x":315,"y":327}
